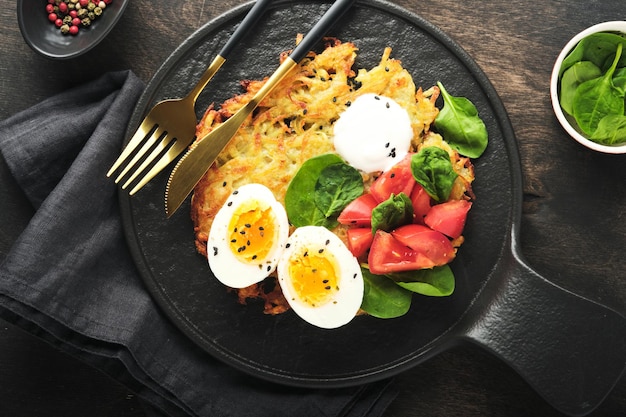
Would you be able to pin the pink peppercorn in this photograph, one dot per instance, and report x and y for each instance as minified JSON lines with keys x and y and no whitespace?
{"x":83,"y":3}
{"x":63,"y":7}
{"x":76,"y":21}
{"x":52,"y":17}
{"x":58,"y":23}
{"x":49,"y":8}
{"x":73,"y":13}
{"x":73,"y":30}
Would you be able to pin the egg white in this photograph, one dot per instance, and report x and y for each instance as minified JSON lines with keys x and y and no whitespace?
{"x":373,"y":134}
{"x":346,"y":300}
{"x":227,"y":267}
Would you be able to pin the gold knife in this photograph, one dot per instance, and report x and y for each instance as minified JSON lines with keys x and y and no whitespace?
{"x":199,"y":158}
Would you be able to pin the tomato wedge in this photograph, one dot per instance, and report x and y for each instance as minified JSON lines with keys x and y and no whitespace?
{"x":435,"y":245}
{"x":359,"y":240}
{"x":421,"y":203}
{"x":358,"y":212}
{"x":398,"y":179}
{"x":389,"y":254}
{"x":449,"y":217}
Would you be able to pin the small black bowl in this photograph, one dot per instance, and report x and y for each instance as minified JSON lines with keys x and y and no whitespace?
{"x":45,"y":38}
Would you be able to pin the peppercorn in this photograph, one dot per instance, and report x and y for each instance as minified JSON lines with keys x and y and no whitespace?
{"x":70,"y":15}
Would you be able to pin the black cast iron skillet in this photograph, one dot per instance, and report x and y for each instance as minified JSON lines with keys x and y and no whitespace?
{"x":571,"y":350}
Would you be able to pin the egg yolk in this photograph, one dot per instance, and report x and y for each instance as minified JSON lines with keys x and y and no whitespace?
{"x":314,"y":277}
{"x":252,"y":232}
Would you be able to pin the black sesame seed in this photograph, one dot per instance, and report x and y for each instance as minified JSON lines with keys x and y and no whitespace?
{"x":305,"y":111}
{"x":320,"y":251}
{"x":233,"y":240}
{"x":327,"y":287}
{"x":248,"y":243}
{"x":224,"y":184}
{"x":322,"y":79}
{"x":269,"y":268}
{"x":387,"y":144}
{"x":235,"y":192}
{"x":288,"y":245}
{"x":261,"y":228}
{"x":306,"y":254}
{"x":387,"y":69}
{"x":214,"y":250}
{"x":254,"y":257}
{"x":354,"y":276}
{"x":325,"y":281}
{"x":376,"y":98}
{"x":393,"y":174}
{"x":248,"y":225}
{"x":327,"y":242}
{"x":230,"y":203}
{"x":348,"y":103}
{"x":387,"y":105}
{"x":334,"y":99}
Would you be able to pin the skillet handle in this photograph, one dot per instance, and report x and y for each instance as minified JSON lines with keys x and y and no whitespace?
{"x":571,"y":350}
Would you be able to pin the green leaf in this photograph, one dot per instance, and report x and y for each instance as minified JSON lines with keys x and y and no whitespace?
{"x":436,"y":282}
{"x":611,"y":130}
{"x":432,"y":169}
{"x":597,"y":98}
{"x":572,"y":78}
{"x":382,"y":298}
{"x":619,"y":78}
{"x":337,"y":185}
{"x":460,"y":125}
{"x":598,"y":48}
{"x":299,"y":198}
{"x":392,"y":213}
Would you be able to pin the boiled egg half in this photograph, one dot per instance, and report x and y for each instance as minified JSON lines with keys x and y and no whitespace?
{"x":320,"y":278}
{"x":247,"y":236}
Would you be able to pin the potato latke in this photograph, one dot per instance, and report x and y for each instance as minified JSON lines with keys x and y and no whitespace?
{"x":295,"y":122}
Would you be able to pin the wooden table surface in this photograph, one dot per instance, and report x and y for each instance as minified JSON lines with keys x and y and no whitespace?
{"x":573,"y":228}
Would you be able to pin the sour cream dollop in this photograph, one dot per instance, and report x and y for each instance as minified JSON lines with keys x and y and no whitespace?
{"x":373,"y":134}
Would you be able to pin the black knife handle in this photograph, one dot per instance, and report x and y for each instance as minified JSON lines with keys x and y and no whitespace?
{"x":244,"y":27}
{"x":318,"y":31}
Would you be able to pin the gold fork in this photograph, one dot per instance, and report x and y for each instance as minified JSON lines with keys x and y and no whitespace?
{"x":198,"y":159}
{"x":170,"y":126}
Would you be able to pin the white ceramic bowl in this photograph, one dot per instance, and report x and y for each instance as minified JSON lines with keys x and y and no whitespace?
{"x":570,"y":126}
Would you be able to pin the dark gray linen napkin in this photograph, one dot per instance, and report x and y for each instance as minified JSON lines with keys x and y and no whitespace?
{"x":70,"y":279}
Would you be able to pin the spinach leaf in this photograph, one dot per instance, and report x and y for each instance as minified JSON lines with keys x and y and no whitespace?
{"x":382,"y":298}
{"x":572,"y":78}
{"x":460,"y":125}
{"x":598,"y":48}
{"x":299,"y":198}
{"x":597,"y":98}
{"x":435,"y":282}
{"x":619,"y":79}
{"x":433,"y":170}
{"x":337,"y":185}
{"x":611,"y":130}
{"x":391,"y":213}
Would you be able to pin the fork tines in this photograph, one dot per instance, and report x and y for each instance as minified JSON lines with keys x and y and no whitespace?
{"x":151,"y":141}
